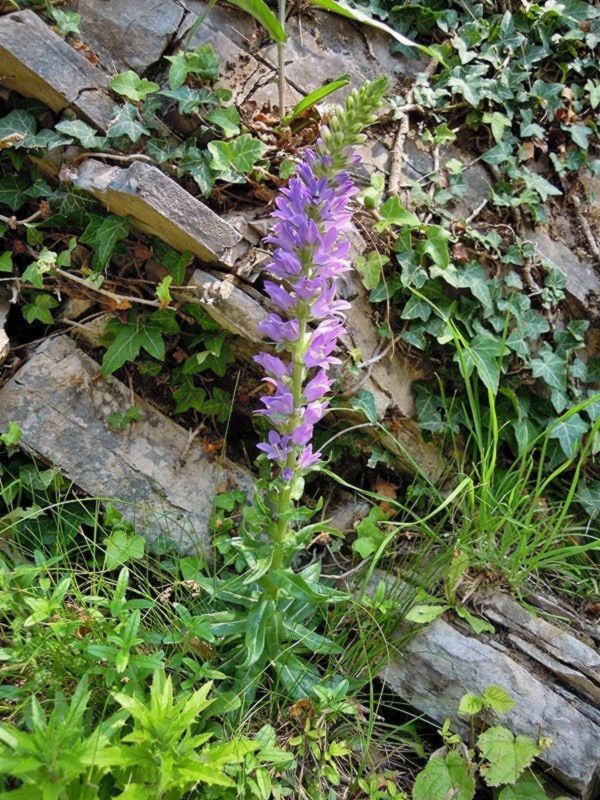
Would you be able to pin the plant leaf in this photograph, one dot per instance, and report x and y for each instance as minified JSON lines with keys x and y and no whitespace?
{"x":315,"y":97}
{"x":507,"y":755}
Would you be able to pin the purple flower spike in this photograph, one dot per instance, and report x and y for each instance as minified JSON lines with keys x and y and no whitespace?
{"x":311,"y":222}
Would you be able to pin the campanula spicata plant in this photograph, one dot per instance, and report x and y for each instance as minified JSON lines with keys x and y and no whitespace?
{"x":280,"y":607}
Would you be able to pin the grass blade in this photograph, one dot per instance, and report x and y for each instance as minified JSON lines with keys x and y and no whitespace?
{"x":262,"y":14}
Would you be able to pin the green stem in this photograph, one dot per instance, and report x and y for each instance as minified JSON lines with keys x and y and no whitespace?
{"x":282,"y":530}
{"x":281,"y":62}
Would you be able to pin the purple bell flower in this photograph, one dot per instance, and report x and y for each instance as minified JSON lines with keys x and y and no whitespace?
{"x":312,"y":219}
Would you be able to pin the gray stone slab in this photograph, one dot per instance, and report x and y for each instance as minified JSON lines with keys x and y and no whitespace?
{"x":441,"y":664}
{"x":583,"y":281}
{"x":36,"y":62}
{"x":158,"y":205}
{"x":61,"y":402}
{"x":129,"y":34}
{"x":230,"y":306}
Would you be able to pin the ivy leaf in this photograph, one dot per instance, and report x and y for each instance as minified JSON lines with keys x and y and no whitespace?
{"x":118,"y":420}
{"x":392,"y":212}
{"x":569,"y":431}
{"x":127,"y":123}
{"x":189,"y":396}
{"x":232,"y":159}
{"x":103,"y":237}
{"x":416,"y":308}
{"x":189,"y":100}
{"x":13,"y":191}
{"x":6,"y":262}
{"x":422,"y":614}
{"x":368,"y":535}
{"x":202,"y":63}
{"x":84,"y":133}
{"x":507,"y":755}
{"x":17,"y":121}
{"x":39,"y":309}
{"x":443,"y":777}
{"x":436,"y":245}
{"x":371,"y":268}
{"x":484,"y":352}
{"x":550,"y":367}
{"x":227,"y":119}
{"x":129,"y":84}
{"x":162,"y":291}
{"x":365,"y":402}
{"x":580,"y":135}
{"x":66,"y":21}
{"x":34,"y":273}
{"x":121,"y":547}
{"x":125,"y":347}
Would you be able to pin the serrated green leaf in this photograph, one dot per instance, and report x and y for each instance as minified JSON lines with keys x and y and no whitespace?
{"x":506,"y":755}
{"x":498,"y":699}
{"x":12,"y":435}
{"x":444,"y":777}
{"x":470,"y":704}
{"x":528,"y":787}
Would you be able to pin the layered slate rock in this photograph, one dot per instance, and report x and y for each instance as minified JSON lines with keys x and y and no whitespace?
{"x":553,"y":676}
{"x":167,"y":487}
{"x":158,"y":205}
{"x":36,"y":62}
{"x":129,"y":34}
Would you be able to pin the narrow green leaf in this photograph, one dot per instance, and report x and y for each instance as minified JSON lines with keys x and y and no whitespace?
{"x":315,"y":97}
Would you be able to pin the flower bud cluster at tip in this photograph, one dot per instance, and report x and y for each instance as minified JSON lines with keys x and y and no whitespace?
{"x":311,"y":251}
{"x":346,"y":126}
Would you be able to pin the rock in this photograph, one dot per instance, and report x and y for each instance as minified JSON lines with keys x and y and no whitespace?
{"x":583,"y":281}
{"x":36,"y":62}
{"x":158,"y":205}
{"x":4,"y":343}
{"x":230,"y":306}
{"x":240,"y":72}
{"x":441,"y":664}
{"x":165,"y":486}
{"x":547,"y":643}
{"x":129,"y":34}
{"x":566,"y":614}
{"x":345,"y":511}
